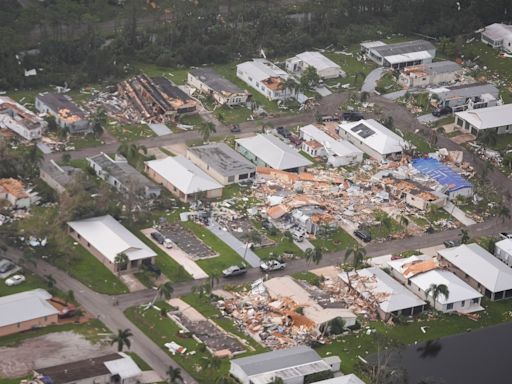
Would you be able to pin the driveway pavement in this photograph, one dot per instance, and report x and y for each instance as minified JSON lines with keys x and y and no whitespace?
{"x":371,"y":80}
{"x":428,"y":118}
{"x":395,"y":95}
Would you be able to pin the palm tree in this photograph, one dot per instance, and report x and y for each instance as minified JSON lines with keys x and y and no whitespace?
{"x":164,"y":290}
{"x":174,"y":375}
{"x":464,"y":236}
{"x":122,"y":339}
{"x":313,"y":255}
{"x":206,"y":131}
{"x":503,"y":212}
{"x":404,"y":221}
{"x":121,"y":261}
{"x":436,"y":290}
{"x":358,"y":254}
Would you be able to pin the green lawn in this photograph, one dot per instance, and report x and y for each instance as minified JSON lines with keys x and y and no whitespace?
{"x":163,"y":330}
{"x":421,"y":144}
{"x":227,"y":256}
{"x":282,"y":245}
{"x":308,"y":277}
{"x":90,"y":271}
{"x":381,"y":232}
{"x":83,"y":141}
{"x":195,"y":120}
{"x":130,"y":132}
{"x":208,"y":310}
{"x":176,"y":75}
{"x":356,"y":70}
{"x":350,"y":346}
{"x":32,"y":282}
{"x":93,"y":330}
{"x":143,"y":366}
{"x":333,"y":241}
{"x":232,"y":115}
{"x":387,"y":84}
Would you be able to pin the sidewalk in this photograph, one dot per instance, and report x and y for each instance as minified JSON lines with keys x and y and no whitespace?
{"x":458,"y":214}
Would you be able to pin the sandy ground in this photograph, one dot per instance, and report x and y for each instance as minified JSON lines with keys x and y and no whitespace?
{"x":46,"y":351}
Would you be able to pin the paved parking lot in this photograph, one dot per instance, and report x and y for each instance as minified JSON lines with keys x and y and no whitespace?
{"x":186,"y":241}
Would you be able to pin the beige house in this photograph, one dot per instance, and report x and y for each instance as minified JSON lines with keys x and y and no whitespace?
{"x":222,"y":163}
{"x":26,"y":310}
{"x":183,"y":178}
{"x":106,"y":238}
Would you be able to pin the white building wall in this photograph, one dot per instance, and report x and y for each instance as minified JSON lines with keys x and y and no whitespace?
{"x":503,"y":255}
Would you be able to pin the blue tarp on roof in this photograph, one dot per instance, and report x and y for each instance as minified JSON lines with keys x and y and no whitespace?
{"x":441,"y":173}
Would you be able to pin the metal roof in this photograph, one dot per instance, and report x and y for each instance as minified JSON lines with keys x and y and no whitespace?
{"x":274,"y":152}
{"x":505,"y":245}
{"x":377,"y":283}
{"x":465,"y":91}
{"x":332,"y":145}
{"x":261,"y":69}
{"x":481,"y":265}
{"x":492,"y":117}
{"x":277,"y":360}
{"x":441,"y":173}
{"x":215,"y":81}
{"x":223,"y":159}
{"x":345,"y":379}
{"x":403,"y":48}
{"x":498,"y":31}
{"x":317,"y":60}
{"x":110,"y":238}
{"x":458,"y":289}
{"x":183,"y":174}
{"x":407,"y":57}
{"x":58,"y":101}
{"x":25,"y":306}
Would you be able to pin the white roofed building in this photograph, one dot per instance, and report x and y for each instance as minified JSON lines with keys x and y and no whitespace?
{"x":377,"y":287}
{"x":399,"y":55}
{"x":318,"y":143}
{"x":183,"y":178}
{"x":266,"y":77}
{"x":267,"y":150}
{"x":498,"y":119}
{"x":481,"y":269}
{"x":373,"y":138}
{"x":106,"y":238}
{"x":325,"y":67}
{"x":503,"y":251}
{"x":26,"y":310}
{"x":17,"y":118}
{"x":498,"y":35}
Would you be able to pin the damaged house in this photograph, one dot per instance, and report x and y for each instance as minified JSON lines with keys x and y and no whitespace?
{"x":20,"y":120}
{"x":413,"y":193}
{"x":209,"y":82}
{"x":67,"y":114}
{"x":425,"y":75}
{"x":14,"y":192}
{"x":465,"y":96}
{"x":58,"y":177}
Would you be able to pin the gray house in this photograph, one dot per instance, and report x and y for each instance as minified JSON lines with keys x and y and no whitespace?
{"x":122,"y":176}
{"x":399,"y":55}
{"x":466,"y":96}
{"x":67,"y":114}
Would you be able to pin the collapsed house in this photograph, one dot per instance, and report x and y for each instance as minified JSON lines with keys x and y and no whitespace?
{"x":413,"y":193}
{"x":13,"y":191}
{"x":209,"y":82}
{"x":67,"y":114}
{"x":152,"y":100}
{"x":383,"y":292}
{"x":466,"y":96}
{"x":20,"y":120}
{"x":425,"y":75}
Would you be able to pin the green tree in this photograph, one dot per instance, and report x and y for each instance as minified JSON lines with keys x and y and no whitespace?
{"x":503,"y":212}
{"x":121,"y":261}
{"x":489,"y":243}
{"x":50,"y":281}
{"x":174,"y":375}
{"x":464,"y":236}
{"x":435,"y":291}
{"x":165,"y":290}
{"x":313,"y":255}
{"x":355,"y":255}
{"x":309,"y":79}
{"x":277,"y":380}
{"x":206,"y":131}
{"x":122,"y":339}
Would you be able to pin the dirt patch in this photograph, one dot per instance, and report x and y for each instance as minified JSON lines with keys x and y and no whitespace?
{"x":46,"y":351}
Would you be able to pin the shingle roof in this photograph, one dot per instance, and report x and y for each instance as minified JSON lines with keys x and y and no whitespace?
{"x":479,"y":264}
{"x":110,"y":238}
{"x":25,"y":306}
{"x":484,"y":118}
{"x":277,"y":360}
{"x":392,"y":295}
{"x":215,"y":81}
{"x":223,"y":159}
{"x":376,"y":136}
{"x":274,"y":152}
{"x":183,"y":174}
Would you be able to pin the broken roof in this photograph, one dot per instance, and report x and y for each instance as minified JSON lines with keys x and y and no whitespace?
{"x":223,"y":159}
{"x":61,"y":104}
{"x":434,"y":68}
{"x":110,"y":238}
{"x":172,"y":91}
{"x":183,"y":174}
{"x":492,"y":117}
{"x":122,"y":171}
{"x":338,"y":147}
{"x":480,"y":265}
{"x":376,"y":136}
{"x":20,"y":114}
{"x":213,"y":80}
{"x":414,"y":265}
{"x":274,"y":152}
{"x":375,"y":284}
{"x":25,"y":306}
{"x":13,"y":187}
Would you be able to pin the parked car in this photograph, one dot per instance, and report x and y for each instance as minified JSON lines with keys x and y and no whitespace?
{"x":438,"y":112}
{"x":158,"y":237}
{"x":363,"y":235}
{"x":272,"y":265}
{"x":295,"y":140}
{"x":283,"y":132}
{"x":505,"y":235}
{"x":235,"y":128}
{"x":352,"y":116}
{"x":6,"y":265}
{"x":168,"y":243}
{"x":234,"y":270}
{"x":451,"y":243}
{"x":15,"y":280}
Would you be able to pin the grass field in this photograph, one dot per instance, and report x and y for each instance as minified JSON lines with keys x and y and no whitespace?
{"x":356,"y":70}
{"x":32,"y":282}
{"x":176,"y":75}
{"x":335,"y":240}
{"x":130,"y":132}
